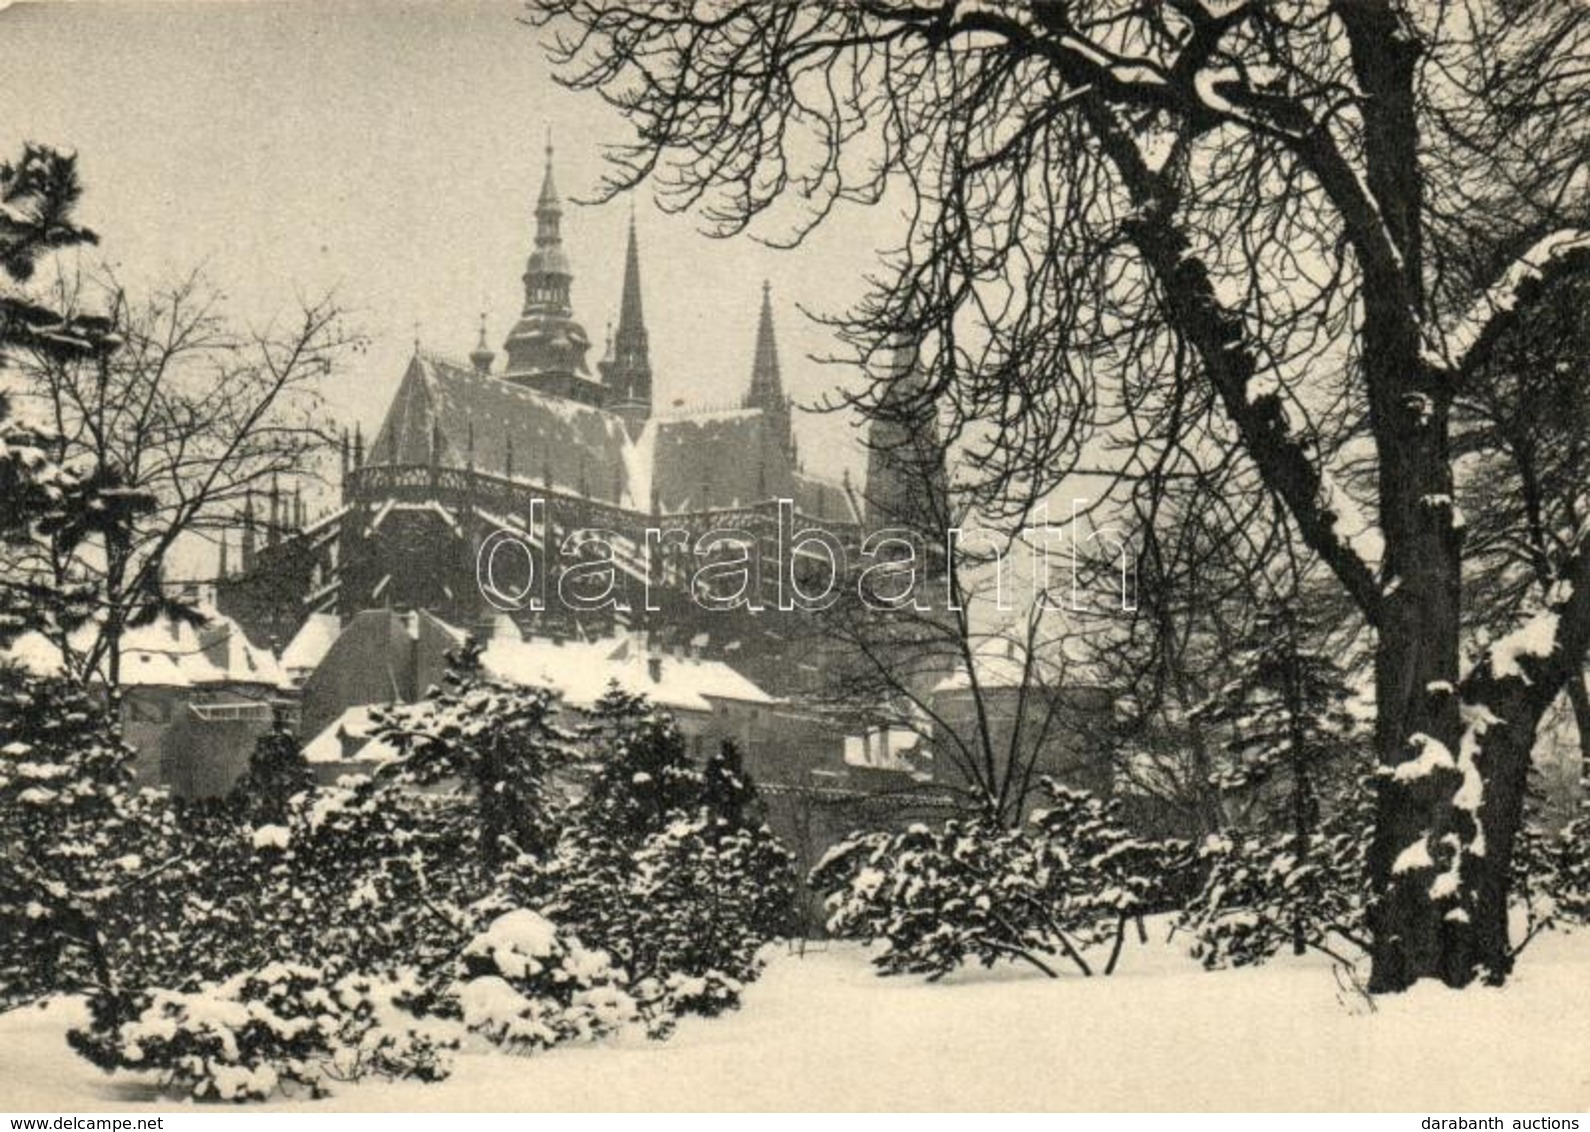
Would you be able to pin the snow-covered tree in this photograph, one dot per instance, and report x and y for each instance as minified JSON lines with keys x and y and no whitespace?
{"x":1284,"y":715}
{"x":81,"y":850}
{"x":1334,"y":213}
{"x":195,"y":412}
{"x":277,"y":773}
{"x":497,"y":741}
{"x":644,"y":773}
{"x":728,"y":793}
{"x":46,"y":508}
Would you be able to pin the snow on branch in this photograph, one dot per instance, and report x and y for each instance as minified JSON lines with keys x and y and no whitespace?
{"x":1536,"y":639}
{"x":1352,"y":529}
{"x":1466,"y":341}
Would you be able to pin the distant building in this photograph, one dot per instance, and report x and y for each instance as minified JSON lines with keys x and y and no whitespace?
{"x":193,"y":699}
{"x":475,"y":448}
{"x":1041,"y":710}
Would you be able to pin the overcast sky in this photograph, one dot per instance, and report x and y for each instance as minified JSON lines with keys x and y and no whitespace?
{"x":392,"y":152}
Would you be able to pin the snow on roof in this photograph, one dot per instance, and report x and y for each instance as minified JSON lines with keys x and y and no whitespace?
{"x":170,"y":654}
{"x":140,"y":668}
{"x":354,"y":725}
{"x":720,"y":413}
{"x":582,"y":672}
{"x":36,"y":653}
{"x":312,"y":642}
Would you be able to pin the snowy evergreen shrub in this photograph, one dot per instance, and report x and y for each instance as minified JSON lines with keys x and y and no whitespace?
{"x":81,"y":847}
{"x":937,"y":900}
{"x":284,"y":1026}
{"x":667,"y":867}
{"x":371,"y":877}
{"x":277,"y":773}
{"x":1551,"y":878}
{"x":1262,"y":892}
{"x":1101,"y":873}
{"x":644,"y":773}
{"x":525,"y":985}
{"x":684,"y":914}
{"x":971,"y":891}
{"x":495,"y":742}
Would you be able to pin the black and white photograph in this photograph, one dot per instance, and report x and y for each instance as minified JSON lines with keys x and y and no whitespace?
{"x":794,"y":556}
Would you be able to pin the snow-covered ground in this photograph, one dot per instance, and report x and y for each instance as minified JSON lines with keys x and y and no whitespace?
{"x":823,"y":1032}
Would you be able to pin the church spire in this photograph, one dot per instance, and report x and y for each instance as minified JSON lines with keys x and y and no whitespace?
{"x":547,"y":274}
{"x":628,"y":375}
{"x":480,"y":357}
{"x":767,"y":386}
{"x":767,"y":389}
{"x":631,"y":318}
{"x":546,"y":346}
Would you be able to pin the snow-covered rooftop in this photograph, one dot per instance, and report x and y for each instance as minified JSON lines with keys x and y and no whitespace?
{"x":311,"y":643}
{"x":171,"y":654}
{"x":354,"y":726}
{"x":583,"y":671}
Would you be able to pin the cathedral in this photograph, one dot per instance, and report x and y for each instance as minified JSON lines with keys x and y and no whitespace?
{"x":536,"y":443}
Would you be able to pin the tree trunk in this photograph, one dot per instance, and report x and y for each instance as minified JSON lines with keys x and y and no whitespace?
{"x":1579,"y":699}
{"x":1302,"y":790}
{"x":1417,"y":829}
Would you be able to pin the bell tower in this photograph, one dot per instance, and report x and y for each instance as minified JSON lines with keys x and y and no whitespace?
{"x":546,"y":348}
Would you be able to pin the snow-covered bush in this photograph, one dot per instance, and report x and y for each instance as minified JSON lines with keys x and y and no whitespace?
{"x":685,"y":912}
{"x":644,"y":774}
{"x":665,"y":866}
{"x":937,"y":899}
{"x":526,"y":985}
{"x":372,"y":876}
{"x":277,"y":773}
{"x":496,"y":742}
{"x":1263,"y":892}
{"x":1551,"y":876}
{"x":280,"y":1027}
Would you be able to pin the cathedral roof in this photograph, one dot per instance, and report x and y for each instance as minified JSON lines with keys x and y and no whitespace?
{"x":518,"y":433}
{"x":708,"y":461}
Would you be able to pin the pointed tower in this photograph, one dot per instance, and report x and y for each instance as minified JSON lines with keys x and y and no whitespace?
{"x":546,"y":347}
{"x":906,"y":481}
{"x":767,"y":386}
{"x":627,"y":375}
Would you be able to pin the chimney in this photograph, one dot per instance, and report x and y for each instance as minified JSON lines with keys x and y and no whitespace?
{"x":654,"y":669}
